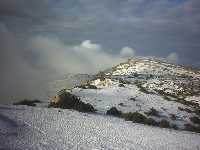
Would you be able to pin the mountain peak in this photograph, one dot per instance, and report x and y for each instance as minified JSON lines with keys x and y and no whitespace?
{"x":151,"y":66}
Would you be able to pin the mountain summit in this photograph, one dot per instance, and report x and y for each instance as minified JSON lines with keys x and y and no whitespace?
{"x":155,"y":91}
{"x":142,"y":90}
{"x":156,"y":75}
{"x":152,"y":66}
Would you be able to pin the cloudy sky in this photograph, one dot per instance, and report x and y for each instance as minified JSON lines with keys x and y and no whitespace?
{"x":43,"y":39}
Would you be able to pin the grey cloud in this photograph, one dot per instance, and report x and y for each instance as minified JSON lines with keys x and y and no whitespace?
{"x":85,"y":57}
{"x":26,"y":68}
{"x":155,"y":27}
{"x":172,"y":58}
{"x":25,"y":9}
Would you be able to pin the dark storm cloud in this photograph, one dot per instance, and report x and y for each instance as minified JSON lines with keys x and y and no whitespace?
{"x":41,"y":38}
{"x":153,"y":27}
{"x":33,"y":9}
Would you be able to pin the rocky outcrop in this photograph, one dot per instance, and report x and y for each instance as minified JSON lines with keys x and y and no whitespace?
{"x":114,"y":112}
{"x":66,"y":100}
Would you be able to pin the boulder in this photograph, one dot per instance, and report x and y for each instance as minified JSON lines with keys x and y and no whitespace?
{"x":66,"y":100}
{"x":114,"y":112}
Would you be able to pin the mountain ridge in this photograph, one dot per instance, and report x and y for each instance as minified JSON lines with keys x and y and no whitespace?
{"x":140,"y":64}
{"x":139,"y":88}
{"x":155,"y":89}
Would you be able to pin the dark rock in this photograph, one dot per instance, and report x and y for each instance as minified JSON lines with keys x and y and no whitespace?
{"x":135,"y":75}
{"x":174,"y":126}
{"x":132,"y":99}
{"x":123,"y":81}
{"x":27,"y":102}
{"x":121,"y":104}
{"x":173,"y":116}
{"x":135,"y":117}
{"x":87,"y":86}
{"x":185,"y":109}
{"x":152,"y":112}
{"x":121,"y":85}
{"x":151,"y":121}
{"x":70,"y":101}
{"x":114,"y":112}
{"x":192,"y":128}
{"x":195,"y":120}
{"x":164,"y":124}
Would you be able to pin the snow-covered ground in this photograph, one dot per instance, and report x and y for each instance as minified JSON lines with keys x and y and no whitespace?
{"x":134,"y":86}
{"x":195,"y":99}
{"x":160,"y":76}
{"x":130,"y":99}
{"x":28,"y":128}
{"x":151,"y":66}
{"x":140,"y":85}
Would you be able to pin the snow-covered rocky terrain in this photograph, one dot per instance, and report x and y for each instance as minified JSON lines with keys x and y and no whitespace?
{"x":155,"y":89}
{"x":156,"y":106}
{"x":31,"y":128}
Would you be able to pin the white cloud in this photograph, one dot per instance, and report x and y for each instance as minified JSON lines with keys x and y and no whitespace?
{"x":87,"y":44}
{"x":41,"y":59}
{"x":127,"y":52}
{"x":172,"y":58}
{"x":58,"y":57}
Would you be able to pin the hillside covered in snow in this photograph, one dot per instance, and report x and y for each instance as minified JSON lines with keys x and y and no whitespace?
{"x":158,"y":91}
{"x":142,"y":104}
{"x":29,"y":128}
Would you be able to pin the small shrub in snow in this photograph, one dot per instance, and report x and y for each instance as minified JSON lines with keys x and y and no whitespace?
{"x":185,"y":109}
{"x":167,"y":98}
{"x":87,"y":86}
{"x":187,"y":103}
{"x":135,"y":75}
{"x":152,"y":112}
{"x":135,"y":117}
{"x":180,"y":108}
{"x":195,"y":120}
{"x":197,"y":111}
{"x":174,"y":126}
{"x":190,"y":127}
{"x":188,"y":110}
{"x":102,"y":78}
{"x":151,"y":121}
{"x":121,"y":104}
{"x":132,"y":99}
{"x":142,"y":89}
{"x":114,"y":112}
{"x":121,"y":85}
{"x":161,"y":92}
{"x":27,"y":102}
{"x":122,"y":81}
{"x":173,"y":116}
{"x":164,"y":124}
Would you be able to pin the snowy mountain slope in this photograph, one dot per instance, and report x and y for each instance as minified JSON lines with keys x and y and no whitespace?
{"x":160,"y":76}
{"x":131,"y":99}
{"x":139,"y":85}
{"x":149,"y":73}
{"x":157,"y":90}
{"x":27,"y":128}
{"x":151,"y":66}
